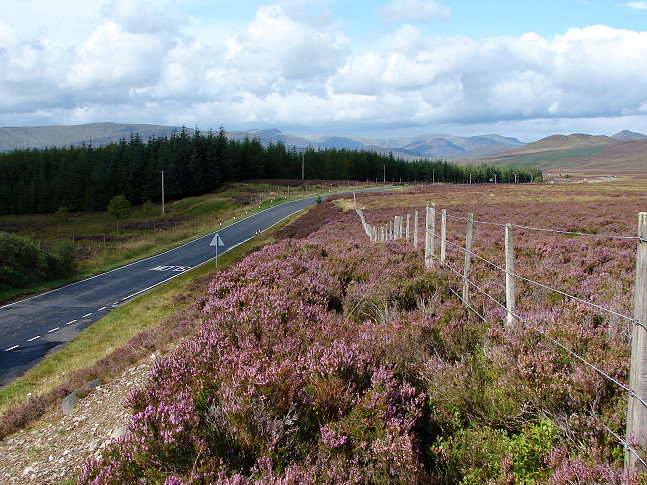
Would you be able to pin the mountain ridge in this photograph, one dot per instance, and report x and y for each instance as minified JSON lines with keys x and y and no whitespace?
{"x":445,"y":146}
{"x":623,"y":151}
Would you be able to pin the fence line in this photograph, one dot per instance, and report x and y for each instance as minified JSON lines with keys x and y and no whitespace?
{"x":541,"y":332}
{"x":636,"y":417}
{"x":567,"y":295}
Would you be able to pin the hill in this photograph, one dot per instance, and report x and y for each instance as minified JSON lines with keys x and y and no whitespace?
{"x":434,"y":146}
{"x":58,"y":136}
{"x":580,"y":153}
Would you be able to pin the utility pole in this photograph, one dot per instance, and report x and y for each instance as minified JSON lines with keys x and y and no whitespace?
{"x":384,"y":173}
{"x":433,"y":175}
{"x":162,"y":172}
{"x":471,"y":178}
{"x":303,"y":165}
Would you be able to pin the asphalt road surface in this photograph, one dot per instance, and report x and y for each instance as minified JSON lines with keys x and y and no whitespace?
{"x":31,"y":328}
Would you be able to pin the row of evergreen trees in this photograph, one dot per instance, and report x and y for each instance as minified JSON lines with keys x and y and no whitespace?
{"x":88,"y":177}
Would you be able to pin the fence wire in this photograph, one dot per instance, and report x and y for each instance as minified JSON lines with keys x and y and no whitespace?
{"x":558,"y":231}
{"x":528,"y":324}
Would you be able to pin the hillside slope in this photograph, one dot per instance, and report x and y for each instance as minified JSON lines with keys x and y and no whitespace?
{"x":57,"y":136}
{"x":579,"y":153}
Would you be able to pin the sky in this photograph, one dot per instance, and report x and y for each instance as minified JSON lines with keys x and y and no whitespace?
{"x":354,"y":67}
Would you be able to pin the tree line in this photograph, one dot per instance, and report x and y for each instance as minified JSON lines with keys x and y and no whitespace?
{"x":87,"y":177}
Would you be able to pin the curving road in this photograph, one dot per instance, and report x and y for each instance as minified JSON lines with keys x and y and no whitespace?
{"x":31,"y":328}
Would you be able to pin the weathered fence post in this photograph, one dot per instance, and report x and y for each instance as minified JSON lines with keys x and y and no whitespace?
{"x":408,"y":224}
{"x":430,"y":224}
{"x":509,"y":278}
{"x":354,"y":200}
{"x":636,"y":411}
{"x":468,"y":257}
{"x":443,"y":234}
{"x":415,"y":230}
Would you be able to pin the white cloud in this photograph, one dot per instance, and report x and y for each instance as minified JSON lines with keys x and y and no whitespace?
{"x":414,"y":11}
{"x":636,"y":5}
{"x":283,"y":68}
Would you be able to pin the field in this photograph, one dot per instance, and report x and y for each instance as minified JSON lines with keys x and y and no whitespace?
{"x":323,"y":358}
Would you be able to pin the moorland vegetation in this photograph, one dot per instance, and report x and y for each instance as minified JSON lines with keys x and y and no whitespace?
{"x":323,"y":358}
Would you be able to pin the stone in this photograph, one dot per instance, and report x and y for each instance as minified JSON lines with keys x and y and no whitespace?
{"x":119,"y":432}
{"x":69,"y":402}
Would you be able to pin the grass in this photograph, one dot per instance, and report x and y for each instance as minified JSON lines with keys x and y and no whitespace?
{"x":100,"y":247}
{"x":118,"y":327}
{"x":549,"y":156}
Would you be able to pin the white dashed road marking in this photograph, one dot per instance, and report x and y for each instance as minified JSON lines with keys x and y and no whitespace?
{"x":71,"y":322}
{"x":87,"y":315}
{"x":11,"y":348}
{"x":101,"y":309}
{"x":33,"y":338}
{"x":53,"y":330}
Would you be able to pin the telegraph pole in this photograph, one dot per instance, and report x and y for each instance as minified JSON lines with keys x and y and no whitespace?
{"x":162,"y":172}
{"x":303,"y":165}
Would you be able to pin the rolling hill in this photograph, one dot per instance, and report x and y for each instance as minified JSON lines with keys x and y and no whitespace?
{"x":57,"y":136}
{"x":424,"y":146}
{"x":578,"y":153}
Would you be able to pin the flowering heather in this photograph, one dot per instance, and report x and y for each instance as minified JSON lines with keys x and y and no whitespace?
{"x":325,"y":359}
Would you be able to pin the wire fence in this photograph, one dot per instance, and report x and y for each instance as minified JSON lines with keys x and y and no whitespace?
{"x":395,"y":230}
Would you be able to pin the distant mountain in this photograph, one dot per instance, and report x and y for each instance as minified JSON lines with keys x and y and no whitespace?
{"x":579,"y":153}
{"x":57,"y":136}
{"x":626,"y":135}
{"x":624,"y":151}
{"x":449,"y":147}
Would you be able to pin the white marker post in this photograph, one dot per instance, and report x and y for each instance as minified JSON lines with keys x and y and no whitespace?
{"x":215,"y":242}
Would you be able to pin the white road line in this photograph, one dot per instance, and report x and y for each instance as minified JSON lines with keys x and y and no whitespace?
{"x":101,"y":309}
{"x":53,"y":330}
{"x":33,"y":338}
{"x":86,"y":315}
{"x":70,"y":322}
{"x":12,"y":348}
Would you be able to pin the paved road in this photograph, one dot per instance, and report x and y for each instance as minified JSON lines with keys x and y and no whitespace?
{"x":31,"y":328}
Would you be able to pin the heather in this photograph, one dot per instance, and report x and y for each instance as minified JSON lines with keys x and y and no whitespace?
{"x":323,"y":358}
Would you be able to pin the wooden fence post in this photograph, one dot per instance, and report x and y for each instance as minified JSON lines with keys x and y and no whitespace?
{"x":415,"y":230}
{"x":636,"y":410}
{"x":429,"y":238}
{"x":468,"y":257}
{"x":509,"y":278}
{"x":433,"y":230}
{"x":443,"y":234}
{"x":407,"y":230}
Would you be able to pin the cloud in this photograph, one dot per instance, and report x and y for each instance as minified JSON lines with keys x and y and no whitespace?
{"x":283,"y":68}
{"x":636,"y":5}
{"x":413,"y":11}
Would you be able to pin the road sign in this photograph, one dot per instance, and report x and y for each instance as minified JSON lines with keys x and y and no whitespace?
{"x":216,"y":241}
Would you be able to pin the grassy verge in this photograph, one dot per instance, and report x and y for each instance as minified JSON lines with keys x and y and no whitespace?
{"x":99,"y":247}
{"x":120,"y":327}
